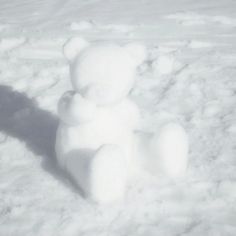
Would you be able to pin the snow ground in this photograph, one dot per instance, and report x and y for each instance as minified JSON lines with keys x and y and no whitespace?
{"x":36,"y":198}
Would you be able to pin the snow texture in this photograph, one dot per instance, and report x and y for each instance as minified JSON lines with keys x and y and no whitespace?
{"x":198,"y":92}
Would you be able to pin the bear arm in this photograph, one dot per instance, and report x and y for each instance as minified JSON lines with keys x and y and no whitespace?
{"x":73,"y":109}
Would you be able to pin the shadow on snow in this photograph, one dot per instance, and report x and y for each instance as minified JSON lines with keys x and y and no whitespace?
{"x":20,"y":117}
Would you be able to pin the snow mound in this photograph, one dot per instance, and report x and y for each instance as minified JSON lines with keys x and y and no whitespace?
{"x":81,"y":26}
{"x":164,"y":64}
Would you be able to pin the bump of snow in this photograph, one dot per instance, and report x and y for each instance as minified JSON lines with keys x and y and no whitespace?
{"x":81,"y":25}
{"x":164,"y":64}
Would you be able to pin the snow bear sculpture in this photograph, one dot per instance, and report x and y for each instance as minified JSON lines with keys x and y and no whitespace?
{"x":96,"y":142}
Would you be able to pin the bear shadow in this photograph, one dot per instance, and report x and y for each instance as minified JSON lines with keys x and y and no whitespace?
{"x":21,"y":118}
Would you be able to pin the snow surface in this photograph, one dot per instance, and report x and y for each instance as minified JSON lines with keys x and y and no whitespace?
{"x":35,"y":196}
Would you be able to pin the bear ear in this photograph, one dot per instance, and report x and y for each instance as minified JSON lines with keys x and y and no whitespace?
{"x":73,"y":47}
{"x":137,"y":51}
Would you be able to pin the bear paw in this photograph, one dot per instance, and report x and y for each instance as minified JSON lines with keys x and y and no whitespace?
{"x":74,"y":109}
{"x":171,"y":148}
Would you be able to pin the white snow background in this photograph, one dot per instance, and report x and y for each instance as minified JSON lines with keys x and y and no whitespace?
{"x":197,"y":88}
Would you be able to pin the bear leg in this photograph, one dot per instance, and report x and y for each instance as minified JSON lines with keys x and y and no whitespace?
{"x":108,"y":174}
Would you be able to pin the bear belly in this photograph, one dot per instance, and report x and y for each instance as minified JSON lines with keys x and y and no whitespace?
{"x":91,"y":136}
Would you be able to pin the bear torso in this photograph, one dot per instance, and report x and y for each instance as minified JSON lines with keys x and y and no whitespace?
{"x":111,"y":125}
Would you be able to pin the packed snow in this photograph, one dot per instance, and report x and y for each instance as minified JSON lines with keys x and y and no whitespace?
{"x":96,"y":142}
{"x":188,"y":77}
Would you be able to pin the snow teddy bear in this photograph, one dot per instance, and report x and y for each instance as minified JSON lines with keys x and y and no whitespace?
{"x":96,"y":140}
